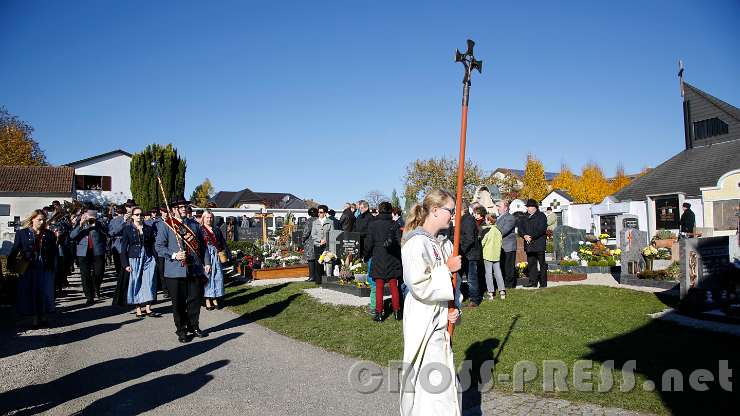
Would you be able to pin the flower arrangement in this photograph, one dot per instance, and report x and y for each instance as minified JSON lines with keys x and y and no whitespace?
{"x":663,"y":254}
{"x":650,"y":252}
{"x":603,"y":236}
{"x":327,"y":257}
{"x":593,"y":255}
{"x":521,"y":267}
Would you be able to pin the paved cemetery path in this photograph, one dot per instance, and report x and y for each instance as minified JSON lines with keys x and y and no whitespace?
{"x":102,"y":360}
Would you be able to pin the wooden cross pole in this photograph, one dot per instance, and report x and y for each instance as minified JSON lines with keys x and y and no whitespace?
{"x":470,"y":63}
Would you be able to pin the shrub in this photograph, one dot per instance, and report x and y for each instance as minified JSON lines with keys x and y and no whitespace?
{"x":655,"y":275}
{"x":569,"y":263}
{"x":598,"y":263}
{"x":663,"y":235}
{"x":248,"y":248}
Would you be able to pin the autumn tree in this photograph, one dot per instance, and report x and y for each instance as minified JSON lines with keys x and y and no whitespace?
{"x":423,"y":176}
{"x":565,"y":180}
{"x":17,"y":146}
{"x":375,"y":197}
{"x":508,"y":185}
{"x":144,"y":187}
{"x":620,"y":180}
{"x":534,"y":183}
{"x":592,"y":187}
{"x":202,"y":193}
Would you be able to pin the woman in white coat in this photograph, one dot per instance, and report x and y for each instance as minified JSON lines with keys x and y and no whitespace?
{"x":427,"y":272}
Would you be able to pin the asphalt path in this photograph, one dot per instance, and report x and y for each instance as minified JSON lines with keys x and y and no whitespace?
{"x":101,"y":360}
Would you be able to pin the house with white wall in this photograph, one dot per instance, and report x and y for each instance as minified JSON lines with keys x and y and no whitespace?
{"x":104,"y":178}
{"x":26,"y":188}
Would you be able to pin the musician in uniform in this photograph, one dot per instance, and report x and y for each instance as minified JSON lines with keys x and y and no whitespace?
{"x":90,"y":234}
{"x":186,"y":263}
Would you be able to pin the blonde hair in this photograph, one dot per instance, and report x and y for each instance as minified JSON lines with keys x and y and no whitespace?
{"x":419,"y":212}
{"x":207,"y":212}
{"x":35,"y":213}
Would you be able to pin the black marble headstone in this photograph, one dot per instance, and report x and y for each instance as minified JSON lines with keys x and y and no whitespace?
{"x":566,"y":240}
{"x":348,"y":243}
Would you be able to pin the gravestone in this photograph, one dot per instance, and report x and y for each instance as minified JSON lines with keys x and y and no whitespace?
{"x":706,"y":266}
{"x":632,"y":241}
{"x":348,"y":243}
{"x":565,"y":240}
{"x":625,"y":221}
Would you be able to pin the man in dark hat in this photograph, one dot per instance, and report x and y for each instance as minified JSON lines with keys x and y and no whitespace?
{"x":688,"y":220}
{"x":533,"y":229}
{"x":186,"y":262}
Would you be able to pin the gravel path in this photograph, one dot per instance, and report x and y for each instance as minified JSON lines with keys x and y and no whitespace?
{"x":101,"y":360}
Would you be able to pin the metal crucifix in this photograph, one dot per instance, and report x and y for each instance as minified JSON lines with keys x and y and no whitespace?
{"x":470,"y":63}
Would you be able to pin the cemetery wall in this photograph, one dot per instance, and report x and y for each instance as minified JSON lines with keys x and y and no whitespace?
{"x":578,"y":216}
{"x":21,"y":206}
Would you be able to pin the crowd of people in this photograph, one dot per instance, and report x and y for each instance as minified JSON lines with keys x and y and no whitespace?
{"x":169,"y":250}
{"x":488,"y":246}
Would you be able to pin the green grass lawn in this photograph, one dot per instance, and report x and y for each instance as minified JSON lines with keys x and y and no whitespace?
{"x":567,"y":323}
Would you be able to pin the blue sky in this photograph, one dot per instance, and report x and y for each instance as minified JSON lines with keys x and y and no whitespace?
{"x":329,"y":100}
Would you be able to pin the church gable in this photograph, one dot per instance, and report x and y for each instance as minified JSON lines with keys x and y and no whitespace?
{"x":710,"y":120}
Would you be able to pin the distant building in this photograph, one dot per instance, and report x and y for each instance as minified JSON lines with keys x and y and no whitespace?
{"x":25,"y":188}
{"x":104,"y":178}
{"x":247,"y":199}
{"x":705,"y":173}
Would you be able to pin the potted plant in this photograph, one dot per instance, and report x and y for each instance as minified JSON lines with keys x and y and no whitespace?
{"x":649,"y":253}
{"x":664,"y":239}
{"x":327,"y":259}
{"x":604,"y":238}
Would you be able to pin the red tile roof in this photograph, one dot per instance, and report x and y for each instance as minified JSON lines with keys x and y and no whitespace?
{"x":36,"y":179}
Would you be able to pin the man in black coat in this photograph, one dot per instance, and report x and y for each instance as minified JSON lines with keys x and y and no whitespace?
{"x":533,"y":229}
{"x":472,"y":252}
{"x":688,"y":219}
{"x":348,"y":218}
{"x":363,"y":221}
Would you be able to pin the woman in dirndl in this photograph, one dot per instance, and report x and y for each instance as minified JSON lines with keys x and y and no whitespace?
{"x":33,"y":257}
{"x":138,"y":259}
{"x":215,"y":243}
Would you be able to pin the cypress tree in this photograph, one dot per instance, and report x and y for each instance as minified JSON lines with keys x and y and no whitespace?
{"x":144,"y":186}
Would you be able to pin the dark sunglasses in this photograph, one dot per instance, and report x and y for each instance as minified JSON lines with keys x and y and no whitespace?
{"x":450,"y":210}
{"x":136,"y":215}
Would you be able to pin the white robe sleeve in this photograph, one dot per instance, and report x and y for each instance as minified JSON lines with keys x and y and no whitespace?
{"x":428,"y":280}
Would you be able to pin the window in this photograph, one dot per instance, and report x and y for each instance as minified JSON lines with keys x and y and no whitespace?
{"x":709,"y":128}
{"x":92,"y":183}
{"x":4,"y":210}
{"x":279,"y":222}
{"x":608,"y":225}
{"x":726,"y":215}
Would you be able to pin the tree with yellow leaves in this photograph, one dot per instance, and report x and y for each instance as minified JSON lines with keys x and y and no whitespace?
{"x":534,"y":183}
{"x":620,"y":180}
{"x":592,"y":187}
{"x":17,"y":146}
{"x":439,"y":173}
{"x":565,"y":180}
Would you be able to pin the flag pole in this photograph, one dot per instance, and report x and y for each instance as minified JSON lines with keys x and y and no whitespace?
{"x":470,"y":63}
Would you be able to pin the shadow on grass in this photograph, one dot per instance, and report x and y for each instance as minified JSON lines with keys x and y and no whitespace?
{"x":39,"y":398}
{"x":267,"y":311}
{"x":149,"y":395}
{"x":477,"y":354}
{"x":237,"y":298}
{"x":661,"y":346}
